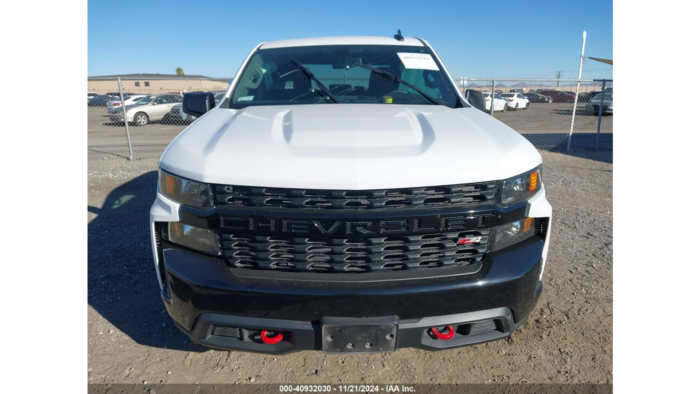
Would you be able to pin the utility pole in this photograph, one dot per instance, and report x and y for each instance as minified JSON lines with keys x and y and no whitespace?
{"x":558,"y":76}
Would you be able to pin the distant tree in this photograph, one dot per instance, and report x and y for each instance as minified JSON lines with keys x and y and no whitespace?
{"x":179,"y":71}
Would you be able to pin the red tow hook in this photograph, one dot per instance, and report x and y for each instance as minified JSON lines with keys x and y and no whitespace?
{"x":270,"y":340}
{"x":450,"y":333}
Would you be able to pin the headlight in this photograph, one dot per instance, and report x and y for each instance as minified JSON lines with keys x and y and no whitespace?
{"x":193,"y":237}
{"x":185,"y":191}
{"x":512,"y":233}
{"x":521,"y":187}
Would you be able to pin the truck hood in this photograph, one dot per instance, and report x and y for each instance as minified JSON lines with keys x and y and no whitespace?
{"x":348,"y":146}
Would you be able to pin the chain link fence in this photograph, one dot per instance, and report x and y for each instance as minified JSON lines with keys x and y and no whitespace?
{"x":545,"y":111}
{"x":152,"y":106}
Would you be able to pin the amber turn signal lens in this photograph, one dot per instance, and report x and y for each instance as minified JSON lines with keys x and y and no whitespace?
{"x":533,"y":181}
{"x":527,"y":225}
{"x":170,"y":183}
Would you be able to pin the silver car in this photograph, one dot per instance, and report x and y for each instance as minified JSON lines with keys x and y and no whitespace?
{"x":147,"y":109}
{"x":594,"y":104}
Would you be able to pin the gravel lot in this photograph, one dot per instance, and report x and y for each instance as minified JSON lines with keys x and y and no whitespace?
{"x":131,"y":339}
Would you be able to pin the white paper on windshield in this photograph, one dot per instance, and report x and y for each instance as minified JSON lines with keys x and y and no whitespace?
{"x":421,"y":61}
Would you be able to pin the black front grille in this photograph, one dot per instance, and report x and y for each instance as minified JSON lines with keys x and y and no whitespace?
{"x":386,"y":253}
{"x":412,"y":197}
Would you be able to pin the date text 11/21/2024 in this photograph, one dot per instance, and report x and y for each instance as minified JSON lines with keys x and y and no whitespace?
{"x":348,"y":388}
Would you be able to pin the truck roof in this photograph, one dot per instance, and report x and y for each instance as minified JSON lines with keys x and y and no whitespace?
{"x":349,"y":40}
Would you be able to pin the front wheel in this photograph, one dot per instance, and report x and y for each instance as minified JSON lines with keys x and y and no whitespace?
{"x":140,"y":119}
{"x":527,"y":106}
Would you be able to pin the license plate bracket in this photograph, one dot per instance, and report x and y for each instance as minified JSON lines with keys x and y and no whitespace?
{"x":371,"y":335}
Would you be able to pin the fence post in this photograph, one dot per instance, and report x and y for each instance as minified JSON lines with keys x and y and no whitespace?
{"x":493,"y":95}
{"x":126,"y":121}
{"x":600,"y":114}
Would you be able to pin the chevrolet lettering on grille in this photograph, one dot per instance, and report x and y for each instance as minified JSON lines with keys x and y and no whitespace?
{"x":353,"y":227}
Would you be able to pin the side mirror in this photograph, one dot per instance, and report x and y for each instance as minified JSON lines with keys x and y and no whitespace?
{"x":475,"y":98}
{"x":198,"y":103}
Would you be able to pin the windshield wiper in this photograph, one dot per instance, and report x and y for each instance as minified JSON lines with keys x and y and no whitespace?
{"x":311,"y":76}
{"x":398,"y":80}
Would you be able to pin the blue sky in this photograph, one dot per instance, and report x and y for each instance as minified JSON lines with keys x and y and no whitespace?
{"x":475,"y":39}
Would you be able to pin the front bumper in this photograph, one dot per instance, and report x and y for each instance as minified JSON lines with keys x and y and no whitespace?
{"x":203,"y":294}
{"x":594,"y":110}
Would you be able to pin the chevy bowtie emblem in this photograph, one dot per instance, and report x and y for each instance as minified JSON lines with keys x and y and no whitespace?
{"x":468,"y":241}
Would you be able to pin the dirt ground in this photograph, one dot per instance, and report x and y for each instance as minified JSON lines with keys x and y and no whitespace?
{"x":567,"y":339}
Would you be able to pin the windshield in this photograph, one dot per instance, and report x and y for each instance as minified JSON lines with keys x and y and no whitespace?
{"x":608,"y":97}
{"x":272,"y":78}
{"x":144,"y":100}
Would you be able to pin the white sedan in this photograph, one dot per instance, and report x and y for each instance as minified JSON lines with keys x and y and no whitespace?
{"x":499,"y":102}
{"x":127,"y":101}
{"x":516,"y":101}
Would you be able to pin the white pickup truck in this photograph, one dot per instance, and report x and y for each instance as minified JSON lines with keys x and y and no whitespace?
{"x":344,"y":196}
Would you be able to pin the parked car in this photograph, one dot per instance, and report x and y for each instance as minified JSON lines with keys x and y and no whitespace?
{"x":516,"y":91}
{"x":584,"y":97}
{"x":499,"y":102}
{"x":177,"y":109}
{"x":557,"y":96}
{"x":538,"y":98}
{"x":91,"y":95}
{"x":515,"y":101}
{"x":128,"y":100}
{"x":147,"y":109}
{"x":362,"y":221}
{"x":594,"y":104}
{"x":100,"y":100}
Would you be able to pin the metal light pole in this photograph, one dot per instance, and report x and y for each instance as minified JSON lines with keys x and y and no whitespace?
{"x":578,"y":85}
{"x":126,"y":121}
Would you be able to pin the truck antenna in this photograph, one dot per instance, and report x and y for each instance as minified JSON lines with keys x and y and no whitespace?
{"x":398,"y":36}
